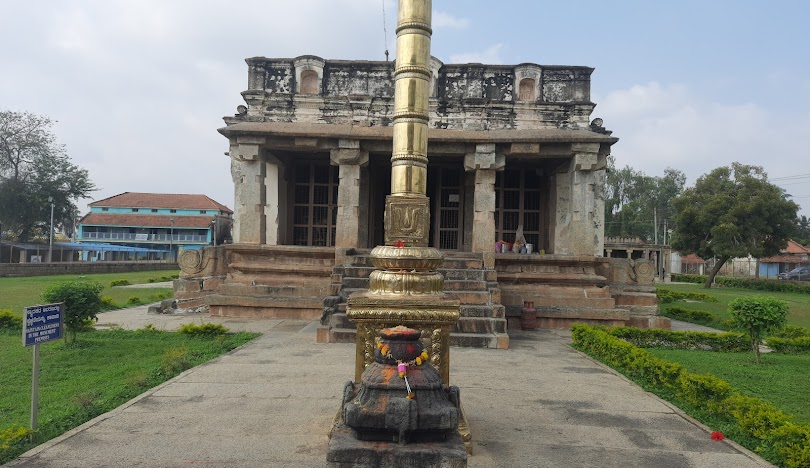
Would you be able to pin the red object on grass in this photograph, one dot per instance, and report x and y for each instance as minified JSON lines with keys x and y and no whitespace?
{"x":717,"y":436}
{"x":400,"y":244}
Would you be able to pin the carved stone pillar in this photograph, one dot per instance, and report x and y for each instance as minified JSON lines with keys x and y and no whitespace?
{"x":248,"y":172}
{"x":579,"y":204}
{"x":349,"y":226}
{"x":275,"y":207}
{"x":484,"y":163}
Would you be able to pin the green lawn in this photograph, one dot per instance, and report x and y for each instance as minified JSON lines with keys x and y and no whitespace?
{"x":799,"y":304}
{"x":781,"y":379}
{"x":104,"y":370}
{"x":18,"y":293}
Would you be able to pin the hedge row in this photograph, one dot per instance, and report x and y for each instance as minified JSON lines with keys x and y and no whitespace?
{"x":748,"y":283}
{"x":776,"y":437}
{"x":789,"y":345}
{"x":701,"y":317}
{"x":659,"y":338}
{"x":667,"y":295}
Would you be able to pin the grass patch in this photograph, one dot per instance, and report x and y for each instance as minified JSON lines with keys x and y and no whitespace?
{"x":781,"y":379}
{"x":18,"y":293}
{"x":798,"y":304}
{"x":104,"y":370}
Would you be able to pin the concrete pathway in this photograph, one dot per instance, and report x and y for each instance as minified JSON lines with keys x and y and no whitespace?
{"x":272,"y":402}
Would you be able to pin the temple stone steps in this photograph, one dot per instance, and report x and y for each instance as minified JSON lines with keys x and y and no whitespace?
{"x":483,"y":318}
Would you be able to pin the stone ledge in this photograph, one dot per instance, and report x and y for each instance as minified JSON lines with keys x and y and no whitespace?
{"x":347,"y":452}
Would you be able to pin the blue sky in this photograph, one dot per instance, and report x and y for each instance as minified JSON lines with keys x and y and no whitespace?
{"x":139,"y":87}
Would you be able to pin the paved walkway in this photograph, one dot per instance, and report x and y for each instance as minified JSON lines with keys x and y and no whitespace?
{"x":271,"y":403}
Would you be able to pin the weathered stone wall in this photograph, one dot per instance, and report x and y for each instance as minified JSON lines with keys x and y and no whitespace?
{"x":464,"y":97}
{"x":81,"y":268}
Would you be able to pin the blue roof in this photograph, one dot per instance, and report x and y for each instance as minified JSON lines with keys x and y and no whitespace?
{"x":96,"y":246}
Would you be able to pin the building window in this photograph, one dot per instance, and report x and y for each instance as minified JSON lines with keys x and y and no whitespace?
{"x":518,"y":202}
{"x":309,"y":82}
{"x":105,"y":209}
{"x":154,"y":210}
{"x":447,"y":203}
{"x":172,"y":211}
{"x":315,"y":204}
{"x":526,"y":90}
{"x":135,"y":210}
{"x":203,"y":212}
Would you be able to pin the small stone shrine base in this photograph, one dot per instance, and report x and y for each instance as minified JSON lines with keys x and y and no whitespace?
{"x":347,"y":452}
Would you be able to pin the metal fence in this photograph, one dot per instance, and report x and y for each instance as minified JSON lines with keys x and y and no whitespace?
{"x":144,"y":237}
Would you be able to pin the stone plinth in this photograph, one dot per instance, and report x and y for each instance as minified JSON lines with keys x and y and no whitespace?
{"x":257,"y":281}
{"x":347,"y":452}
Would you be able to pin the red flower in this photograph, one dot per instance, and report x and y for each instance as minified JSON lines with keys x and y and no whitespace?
{"x":717,"y":436}
{"x":400,"y":244}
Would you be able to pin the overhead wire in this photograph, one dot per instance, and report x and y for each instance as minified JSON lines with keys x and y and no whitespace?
{"x":385,"y":30}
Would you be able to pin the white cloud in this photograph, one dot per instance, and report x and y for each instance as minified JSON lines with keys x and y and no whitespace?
{"x":490,"y":55}
{"x":442,"y":19}
{"x":663,"y":126}
{"x":139,"y":88}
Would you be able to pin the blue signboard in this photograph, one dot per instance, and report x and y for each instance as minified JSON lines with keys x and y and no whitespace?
{"x":43,"y":323}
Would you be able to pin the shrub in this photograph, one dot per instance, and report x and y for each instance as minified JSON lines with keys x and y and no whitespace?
{"x":150,"y":280}
{"x":82,"y":303}
{"x":174,"y":276}
{"x":120,"y":282}
{"x":758,"y":315}
{"x":789,"y":345}
{"x":681,"y":278}
{"x":764,"y":285}
{"x":747,"y":283}
{"x":13,"y":437}
{"x":107,"y":303}
{"x":149,"y":328}
{"x":10,"y":321}
{"x":134,"y":300}
{"x":175,"y":360}
{"x":706,"y":341}
{"x":701,"y":317}
{"x":667,"y":295}
{"x":207,"y":330}
{"x":165,"y":278}
{"x":792,"y":331}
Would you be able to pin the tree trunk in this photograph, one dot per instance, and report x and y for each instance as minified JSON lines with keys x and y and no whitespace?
{"x":710,"y":279}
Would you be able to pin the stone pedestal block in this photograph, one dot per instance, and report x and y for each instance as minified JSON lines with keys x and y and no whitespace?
{"x":347,"y":452}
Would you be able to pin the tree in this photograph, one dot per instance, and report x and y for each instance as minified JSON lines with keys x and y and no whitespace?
{"x":82,"y":304}
{"x":802,"y":232}
{"x":758,"y":315}
{"x":33,"y":167}
{"x":633,"y":199}
{"x":732,"y":212}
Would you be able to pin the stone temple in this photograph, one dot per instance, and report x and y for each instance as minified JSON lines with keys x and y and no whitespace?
{"x":511,"y":147}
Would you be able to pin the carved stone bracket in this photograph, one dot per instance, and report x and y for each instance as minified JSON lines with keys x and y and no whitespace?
{"x":484,"y":157}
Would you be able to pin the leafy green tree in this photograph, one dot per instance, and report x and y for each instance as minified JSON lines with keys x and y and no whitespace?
{"x":802,"y":232}
{"x":633,"y":198}
{"x":34,"y":167}
{"x":732,"y":212}
{"x":82,"y":304}
{"x":758,"y":315}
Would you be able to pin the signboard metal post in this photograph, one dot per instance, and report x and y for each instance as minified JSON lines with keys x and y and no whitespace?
{"x":41,"y":324}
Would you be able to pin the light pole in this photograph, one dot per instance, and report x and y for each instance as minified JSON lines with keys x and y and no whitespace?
{"x":171,"y":238}
{"x":50,"y":244}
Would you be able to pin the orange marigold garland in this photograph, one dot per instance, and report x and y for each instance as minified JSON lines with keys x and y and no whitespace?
{"x":402,"y":367}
